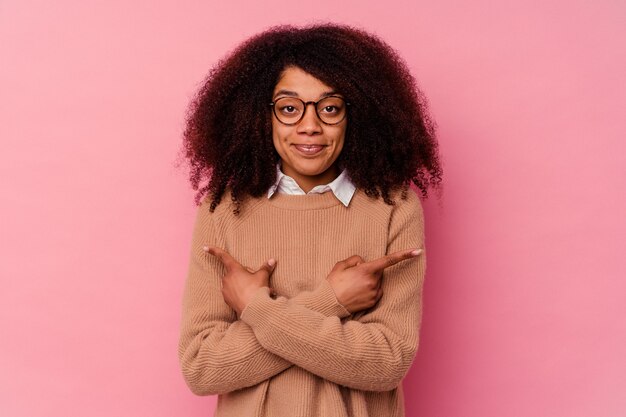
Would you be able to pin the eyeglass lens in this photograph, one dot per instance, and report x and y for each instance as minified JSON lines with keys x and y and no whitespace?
{"x":330,"y":110}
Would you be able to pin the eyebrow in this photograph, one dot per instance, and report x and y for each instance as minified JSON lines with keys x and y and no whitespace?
{"x":294,"y":94}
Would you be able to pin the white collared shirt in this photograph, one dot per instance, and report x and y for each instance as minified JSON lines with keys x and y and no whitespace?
{"x":342,"y":186}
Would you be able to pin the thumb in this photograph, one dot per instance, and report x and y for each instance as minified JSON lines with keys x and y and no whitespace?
{"x":354,"y":260}
{"x":268,"y":266}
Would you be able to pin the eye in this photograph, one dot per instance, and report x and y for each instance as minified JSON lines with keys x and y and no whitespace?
{"x":287,"y":109}
{"x":331,"y":106}
{"x":330,"y":109}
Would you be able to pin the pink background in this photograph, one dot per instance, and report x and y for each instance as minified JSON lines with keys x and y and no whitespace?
{"x":525,"y":307}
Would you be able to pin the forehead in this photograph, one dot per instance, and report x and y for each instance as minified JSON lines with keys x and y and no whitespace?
{"x":294,"y":81}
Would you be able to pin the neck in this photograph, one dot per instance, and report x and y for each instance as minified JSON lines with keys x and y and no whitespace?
{"x":308,"y":182}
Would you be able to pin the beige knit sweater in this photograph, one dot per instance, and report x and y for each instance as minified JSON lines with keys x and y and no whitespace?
{"x":302,"y":353}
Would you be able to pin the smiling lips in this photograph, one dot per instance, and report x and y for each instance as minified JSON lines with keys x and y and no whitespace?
{"x":309,"y":149}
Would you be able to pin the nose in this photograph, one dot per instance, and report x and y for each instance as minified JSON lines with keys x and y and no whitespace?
{"x":310,"y":123}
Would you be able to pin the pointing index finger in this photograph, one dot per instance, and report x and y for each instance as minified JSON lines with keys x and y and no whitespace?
{"x":228,"y":261}
{"x":390,"y":260}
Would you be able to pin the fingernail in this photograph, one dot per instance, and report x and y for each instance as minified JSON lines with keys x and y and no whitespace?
{"x":271,"y":262}
{"x":416,"y":252}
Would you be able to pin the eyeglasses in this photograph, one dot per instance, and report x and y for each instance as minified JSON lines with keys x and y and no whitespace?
{"x":330,"y":110}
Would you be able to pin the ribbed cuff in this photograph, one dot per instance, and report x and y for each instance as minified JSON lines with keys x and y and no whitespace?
{"x":325,"y":300}
{"x":262,"y":294}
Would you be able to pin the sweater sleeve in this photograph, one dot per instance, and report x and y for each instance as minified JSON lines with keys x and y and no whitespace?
{"x":372,"y":352}
{"x":322,"y":299}
{"x":217,"y":352}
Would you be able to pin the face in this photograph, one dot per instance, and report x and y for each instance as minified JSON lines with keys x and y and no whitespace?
{"x":308,"y":166}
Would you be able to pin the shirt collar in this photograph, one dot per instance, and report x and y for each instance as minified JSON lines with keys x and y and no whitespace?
{"x":342,"y":187}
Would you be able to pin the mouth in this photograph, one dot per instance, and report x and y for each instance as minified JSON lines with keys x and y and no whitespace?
{"x":309,"y":150}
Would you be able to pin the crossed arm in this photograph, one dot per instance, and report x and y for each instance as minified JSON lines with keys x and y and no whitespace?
{"x":219,"y":353}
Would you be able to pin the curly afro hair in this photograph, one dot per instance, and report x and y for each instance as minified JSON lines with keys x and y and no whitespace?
{"x":390,"y":138}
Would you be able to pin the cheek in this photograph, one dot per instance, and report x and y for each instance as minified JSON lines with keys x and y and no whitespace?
{"x":340,"y":140}
{"x":277,"y":145}
{"x":279,"y":139}
{"x":340,"y":145}
{"x":279,"y":133}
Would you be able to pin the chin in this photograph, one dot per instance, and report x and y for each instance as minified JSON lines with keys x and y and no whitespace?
{"x":310,"y":170}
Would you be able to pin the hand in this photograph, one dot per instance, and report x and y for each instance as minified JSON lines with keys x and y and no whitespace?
{"x":240,"y":283}
{"x":357,"y":284}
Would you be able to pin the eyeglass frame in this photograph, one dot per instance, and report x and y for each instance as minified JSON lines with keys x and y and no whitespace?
{"x":306,"y":105}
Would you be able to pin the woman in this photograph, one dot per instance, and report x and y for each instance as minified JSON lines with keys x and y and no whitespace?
{"x":304,"y":291}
